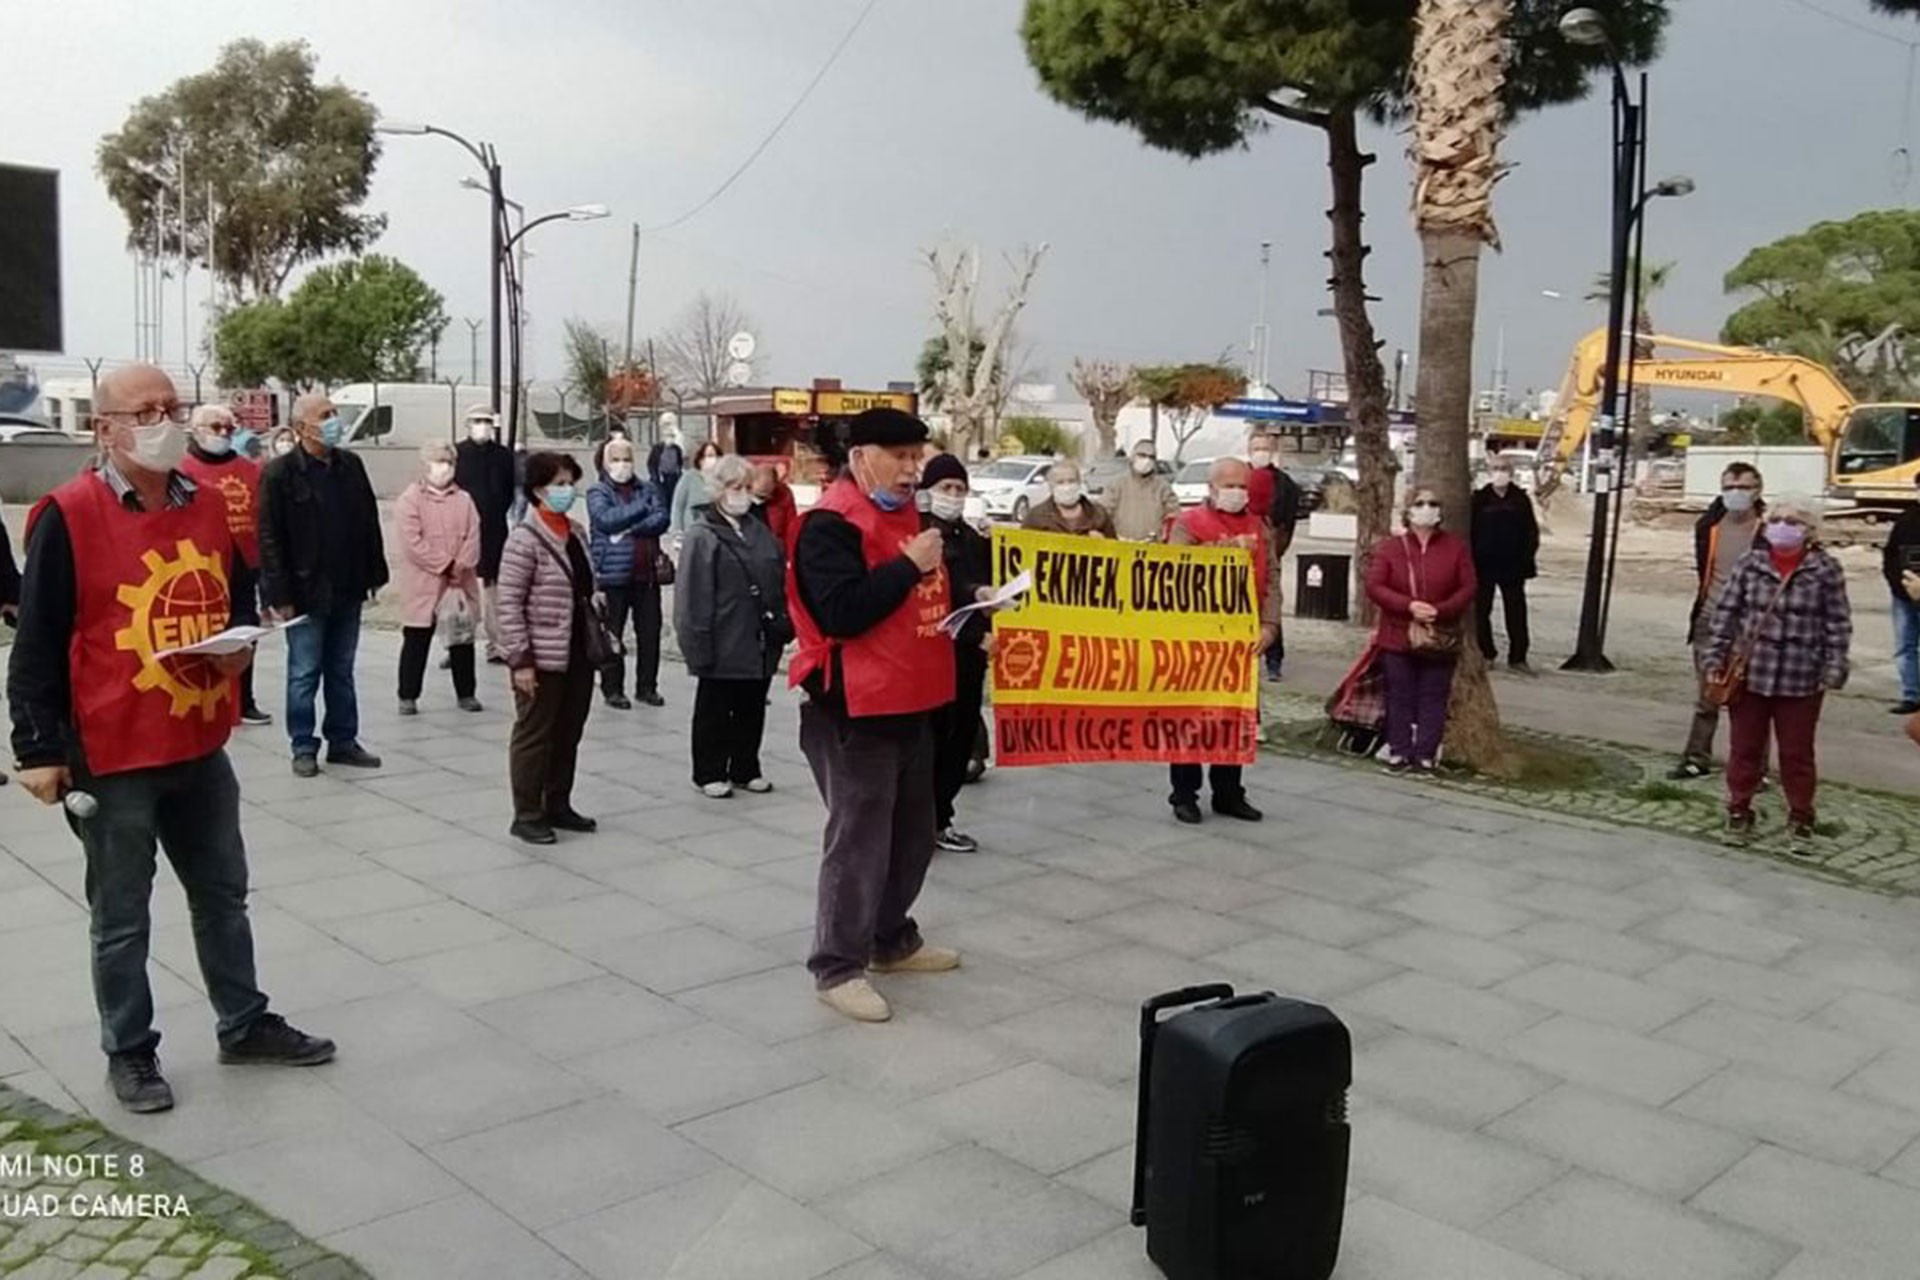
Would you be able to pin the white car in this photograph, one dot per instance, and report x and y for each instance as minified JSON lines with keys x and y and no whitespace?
{"x":1009,"y":487}
{"x":1190,"y":482}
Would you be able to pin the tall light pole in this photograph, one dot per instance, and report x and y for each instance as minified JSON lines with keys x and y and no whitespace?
{"x":578,"y":213}
{"x":1260,"y":345}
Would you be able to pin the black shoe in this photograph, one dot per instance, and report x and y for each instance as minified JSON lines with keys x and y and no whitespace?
{"x":1237,"y":808}
{"x":1187,"y":811}
{"x":409,"y":707}
{"x":1904,"y":707}
{"x":655,"y":700}
{"x":1800,"y":839}
{"x":306,"y":767}
{"x":254,"y":716}
{"x":1426,"y":768}
{"x":1397,"y":766}
{"x":976,"y":770}
{"x":618,"y":701}
{"x":951,"y":841}
{"x":271,"y":1041}
{"x":1522,"y":668}
{"x":1739,"y":829}
{"x":532,"y":832}
{"x":568,"y":820}
{"x":1687,"y":771}
{"x":446,"y":662}
{"x":136,"y":1080}
{"x":356,"y":756}
{"x":471,"y":703}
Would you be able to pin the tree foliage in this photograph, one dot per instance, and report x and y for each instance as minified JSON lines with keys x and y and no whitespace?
{"x":1761,"y":424}
{"x":930,"y":370}
{"x":1108,"y":387}
{"x":589,"y":369}
{"x":1844,"y":293}
{"x":1182,"y":396}
{"x":693,"y":355}
{"x":976,"y":375}
{"x":1040,"y":436}
{"x":287,"y":162}
{"x":364,"y":320}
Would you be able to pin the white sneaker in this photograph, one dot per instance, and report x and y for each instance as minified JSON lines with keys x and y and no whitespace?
{"x":856,"y":999}
{"x":717,"y":790}
{"x":759,"y":786}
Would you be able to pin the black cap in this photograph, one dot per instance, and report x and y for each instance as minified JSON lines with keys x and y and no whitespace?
{"x":942,"y":466}
{"x":885,"y":426}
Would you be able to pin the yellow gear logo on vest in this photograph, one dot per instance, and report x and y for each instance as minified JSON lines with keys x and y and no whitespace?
{"x":183,"y":601}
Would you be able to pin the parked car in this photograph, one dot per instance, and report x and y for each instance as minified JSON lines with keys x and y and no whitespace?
{"x":18,"y":428}
{"x":1190,"y":482}
{"x":1101,"y":475}
{"x":1009,"y":487}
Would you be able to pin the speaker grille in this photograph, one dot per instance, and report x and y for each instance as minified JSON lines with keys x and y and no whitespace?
{"x":1226,"y":1142}
{"x":1337,"y":1108}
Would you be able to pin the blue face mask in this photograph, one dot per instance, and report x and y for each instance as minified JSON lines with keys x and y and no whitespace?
{"x":243,"y":442}
{"x":887,"y":499}
{"x":558,"y":498}
{"x":331,"y":431}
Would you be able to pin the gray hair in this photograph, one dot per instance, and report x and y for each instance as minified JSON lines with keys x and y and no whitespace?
{"x":1063,"y":470}
{"x":211,"y":415}
{"x":732,"y":469}
{"x":1797,"y":506}
{"x":620,"y":445}
{"x":436,"y":451}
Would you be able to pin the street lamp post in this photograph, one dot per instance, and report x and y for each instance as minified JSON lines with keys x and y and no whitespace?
{"x":578,"y":213}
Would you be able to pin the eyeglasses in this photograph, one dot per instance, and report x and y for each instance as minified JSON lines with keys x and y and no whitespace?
{"x":152,"y":415}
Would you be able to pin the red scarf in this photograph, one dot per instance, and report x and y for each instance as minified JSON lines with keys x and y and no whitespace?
{"x":1785,"y":562}
{"x":558,"y":526}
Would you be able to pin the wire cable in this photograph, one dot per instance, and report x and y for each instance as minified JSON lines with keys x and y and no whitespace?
{"x":779,"y":125}
{"x":1855,"y":23}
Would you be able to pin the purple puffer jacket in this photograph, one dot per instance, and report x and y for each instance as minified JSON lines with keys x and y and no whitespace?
{"x":536,"y":597}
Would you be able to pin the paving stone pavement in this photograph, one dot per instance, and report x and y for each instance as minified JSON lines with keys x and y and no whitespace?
{"x":1581,"y":1050}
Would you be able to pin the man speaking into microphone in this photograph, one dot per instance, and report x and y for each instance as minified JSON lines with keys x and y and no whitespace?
{"x":126,"y":562}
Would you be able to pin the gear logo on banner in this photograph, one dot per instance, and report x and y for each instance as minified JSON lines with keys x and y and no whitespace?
{"x":239,"y":499}
{"x":183,"y":601}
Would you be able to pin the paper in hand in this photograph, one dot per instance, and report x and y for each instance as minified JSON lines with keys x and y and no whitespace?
{"x":1000,"y":599}
{"x":232,"y":640}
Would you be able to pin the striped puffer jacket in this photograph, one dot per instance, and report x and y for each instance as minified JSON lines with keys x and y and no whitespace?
{"x":536,"y":596}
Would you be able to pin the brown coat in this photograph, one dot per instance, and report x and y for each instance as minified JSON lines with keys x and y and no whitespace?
{"x":1047,"y":518}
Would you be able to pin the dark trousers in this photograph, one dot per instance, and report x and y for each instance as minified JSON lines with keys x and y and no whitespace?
{"x":878,"y":787}
{"x":192,"y":811}
{"x":1223,"y":779}
{"x":246,"y":613}
{"x":956,"y":731}
{"x":322,"y":649}
{"x":1706,"y":714}
{"x":1513,"y":595}
{"x":1418,"y":685}
{"x":414,"y":645}
{"x":642,"y":601}
{"x":1276,"y":654}
{"x":545,"y":747}
{"x":729,"y":719}
{"x":1791,"y":723}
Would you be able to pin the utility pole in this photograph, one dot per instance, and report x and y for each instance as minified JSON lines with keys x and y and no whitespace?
{"x":186,"y":266}
{"x":1261,"y":342}
{"x":633,"y":285}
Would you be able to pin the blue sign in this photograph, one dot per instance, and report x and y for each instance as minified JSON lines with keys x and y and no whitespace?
{"x":1308,"y":412}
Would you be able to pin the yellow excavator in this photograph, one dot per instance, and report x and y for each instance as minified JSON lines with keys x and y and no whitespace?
{"x":1873,"y":450}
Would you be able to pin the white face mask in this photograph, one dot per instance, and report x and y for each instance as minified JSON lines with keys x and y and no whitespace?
{"x":736,"y":502}
{"x":1067,"y":493}
{"x":480,"y":431}
{"x":1501,"y":479}
{"x":439,"y":474}
{"x":947,"y":506}
{"x":1231,"y":501}
{"x":214,"y":443}
{"x":1424,"y":517}
{"x":1143,"y":466}
{"x":712,"y":461}
{"x":1261,"y":457}
{"x":619,"y":472}
{"x":159,"y":447}
{"x":1737,"y":500}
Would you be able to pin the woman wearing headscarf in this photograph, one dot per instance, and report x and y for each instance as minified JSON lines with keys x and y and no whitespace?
{"x":439,"y":570}
{"x":969,"y":561}
{"x":1783,"y":628}
{"x":1423,"y":582}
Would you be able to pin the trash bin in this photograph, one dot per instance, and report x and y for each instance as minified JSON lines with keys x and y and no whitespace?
{"x":1321,"y":585}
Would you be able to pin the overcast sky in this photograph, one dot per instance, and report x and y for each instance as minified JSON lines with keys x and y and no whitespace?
{"x":931,"y":129}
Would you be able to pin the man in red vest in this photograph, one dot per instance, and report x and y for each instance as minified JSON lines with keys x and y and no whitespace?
{"x":1224,"y":520}
{"x":867,"y":589}
{"x":216,"y":466}
{"x":125,"y":563}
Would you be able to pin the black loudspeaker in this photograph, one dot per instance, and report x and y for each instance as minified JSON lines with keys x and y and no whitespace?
{"x":29,"y":259}
{"x":1240,"y":1159}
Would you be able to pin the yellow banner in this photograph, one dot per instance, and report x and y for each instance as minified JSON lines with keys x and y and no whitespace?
{"x":844,"y":404}
{"x":1125,"y":651}
{"x":789,"y":401}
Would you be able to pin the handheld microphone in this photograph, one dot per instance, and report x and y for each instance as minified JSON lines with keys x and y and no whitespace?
{"x":82,"y":805}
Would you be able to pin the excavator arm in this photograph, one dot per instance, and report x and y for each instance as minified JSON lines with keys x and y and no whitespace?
{"x":1742,"y":371}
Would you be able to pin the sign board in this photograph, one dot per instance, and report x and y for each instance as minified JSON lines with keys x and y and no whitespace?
{"x":790,"y":401}
{"x":257,"y":411}
{"x":741,"y":346}
{"x":739,"y":373}
{"x":30,"y":314}
{"x":844,"y":404}
{"x":1124,"y":652}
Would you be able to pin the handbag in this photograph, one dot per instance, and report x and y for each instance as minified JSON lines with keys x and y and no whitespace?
{"x":776,"y":627}
{"x":455,"y":619}
{"x":652,"y":563}
{"x":1427,"y":637}
{"x":1725,"y":689}
{"x":598,"y":645}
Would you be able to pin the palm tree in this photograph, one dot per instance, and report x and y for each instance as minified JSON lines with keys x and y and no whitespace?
{"x":1653,"y":277}
{"x":1460,"y":54}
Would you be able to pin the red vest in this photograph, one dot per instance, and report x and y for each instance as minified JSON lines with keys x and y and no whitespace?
{"x":1208,"y":525}
{"x":902,"y":666}
{"x":237,"y":482}
{"x":145,"y":581}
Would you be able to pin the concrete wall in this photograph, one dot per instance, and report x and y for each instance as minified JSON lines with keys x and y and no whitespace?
{"x":1797,"y":469}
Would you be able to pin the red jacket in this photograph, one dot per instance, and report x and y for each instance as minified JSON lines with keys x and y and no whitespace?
{"x":783,"y":517}
{"x":1401,"y":572}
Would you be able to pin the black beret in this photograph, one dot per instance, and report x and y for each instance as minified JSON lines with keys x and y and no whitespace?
{"x":942,"y":466}
{"x":885,"y":426}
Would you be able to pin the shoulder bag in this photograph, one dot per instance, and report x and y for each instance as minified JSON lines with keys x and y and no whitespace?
{"x":598,"y":644}
{"x":776,"y":627}
{"x":1725,"y":690}
{"x":1427,"y":637}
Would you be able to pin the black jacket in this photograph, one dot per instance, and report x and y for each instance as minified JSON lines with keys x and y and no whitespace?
{"x":1902,"y":553}
{"x":318,"y":546}
{"x":1506,"y":534}
{"x":9,"y":572}
{"x":485,"y":471}
{"x":1703,"y":552}
{"x":969,"y":560}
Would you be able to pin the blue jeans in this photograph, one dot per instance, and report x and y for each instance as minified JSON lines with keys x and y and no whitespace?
{"x":322,"y":648}
{"x":192,"y":811}
{"x":1906,"y":647}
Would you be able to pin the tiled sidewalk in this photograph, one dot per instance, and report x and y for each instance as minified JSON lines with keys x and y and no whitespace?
{"x":1579,"y":1052}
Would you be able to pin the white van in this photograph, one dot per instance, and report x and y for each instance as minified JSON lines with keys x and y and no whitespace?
{"x":404,"y":414}
{"x":68,"y":404}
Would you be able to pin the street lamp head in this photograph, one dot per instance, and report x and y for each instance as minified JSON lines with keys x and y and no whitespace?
{"x":472,"y":183}
{"x":408,"y":127}
{"x":1678,"y":185}
{"x":1583,"y":26}
{"x":1552,"y":293}
{"x":588,"y":212}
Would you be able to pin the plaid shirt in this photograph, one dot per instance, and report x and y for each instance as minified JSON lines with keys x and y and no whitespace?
{"x":179,"y":488}
{"x":1801,"y":646}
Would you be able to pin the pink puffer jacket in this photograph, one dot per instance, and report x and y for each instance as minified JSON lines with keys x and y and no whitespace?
{"x":439,"y":551}
{"x":536,"y":597}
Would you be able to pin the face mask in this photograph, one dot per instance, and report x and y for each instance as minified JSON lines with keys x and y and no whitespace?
{"x":948,"y":507}
{"x":1424,"y":516}
{"x":243,"y":441}
{"x":558,"y":499}
{"x":712,"y":461}
{"x":620,"y":472}
{"x":1143,"y":466}
{"x":159,"y":447}
{"x":440,"y":474}
{"x":1784,"y":535}
{"x":217,"y":445}
{"x":736,"y":502}
{"x":1737,"y":500}
{"x":759,"y":499}
{"x":1231,"y":501}
{"x":923,"y":500}
{"x":888,"y":500}
{"x":1501,"y":479}
{"x":281,"y":448}
{"x":331,"y":431}
{"x":1261,"y":457}
{"x":1067,"y":494}
{"x":480,"y":431}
